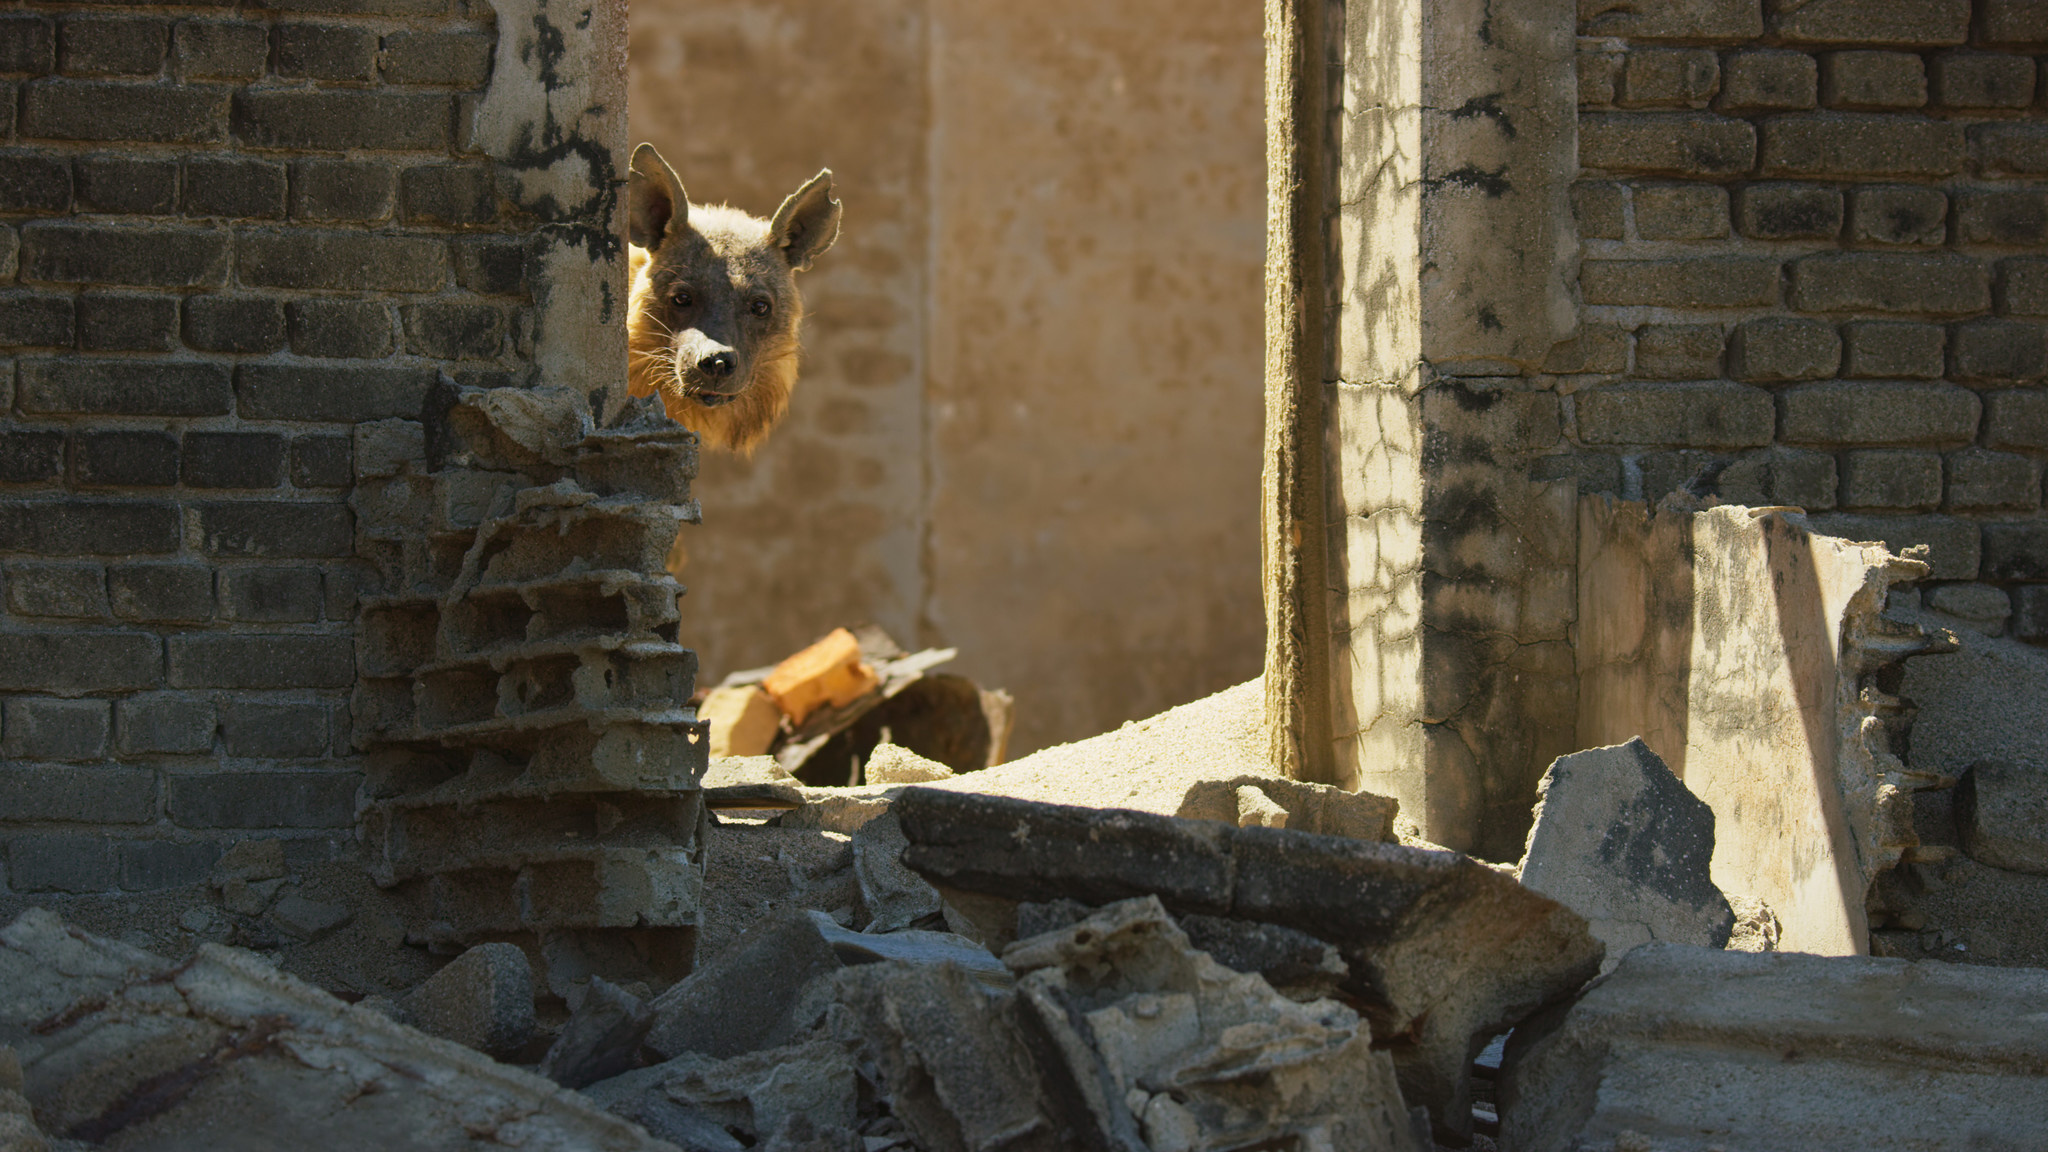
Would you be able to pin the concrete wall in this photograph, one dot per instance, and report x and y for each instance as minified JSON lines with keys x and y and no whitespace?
{"x":1028,"y":422}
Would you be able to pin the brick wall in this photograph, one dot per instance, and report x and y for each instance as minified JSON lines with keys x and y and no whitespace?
{"x":1816,"y":272}
{"x":238,"y":245}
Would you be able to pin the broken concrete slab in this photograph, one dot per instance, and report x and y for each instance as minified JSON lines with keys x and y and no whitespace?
{"x":1271,"y":802}
{"x":1619,"y":840}
{"x":602,"y":1037}
{"x":1444,"y":951}
{"x":760,"y":993}
{"x":1296,"y":964}
{"x":895,"y":897}
{"x":102,"y":1029}
{"x":1685,"y":1049}
{"x":482,"y":999}
{"x":764,"y":1098}
{"x":913,"y":946}
{"x":2001,"y":813}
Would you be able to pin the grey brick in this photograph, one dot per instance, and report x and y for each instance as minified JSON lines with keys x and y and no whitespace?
{"x":274,"y":730}
{"x":1709,"y":414}
{"x":1667,"y":472}
{"x":264,"y":800}
{"x":1707,"y":282}
{"x":496,"y":265}
{"x":41,"y":728}
{"x":1881,"y":348}
{"x":1896,"y":215}
{"x":88,"y":527}
{"x":233,"y":459}
{"x":234,"y":323}
{"x":124,"y":459}
{"x":161,"y":592}
{"x":362,"y":7}
{"x":1860,"y":144}
{"x":1983,"y":481}
{"x":222,"y":660}
{"x":78,"y":864}
{"x":1768,"y":80}
{"x":1596,"y":348}
{"x":1599,"y":73}
{"x":1874,"y":80}
{"x":1669,"y":77}
{"x":30,"y":456}
{"x":2014,"y":149}
{"x":152,"y":257}
{"x":322,"y":461}
{"x":220,"y":49}
{"x":1890,"y":479}
{"x":1591,"y":471}
{"x":336,"y":120}
{"x":2013,"y":23}
{"x":1783,"y":348}
{"x":1983,"y":80}
{"x":343,"y":261}
{"x":343,"y":190}
{"x":453,"y":59}
{"x":1788,"y":212}
{"x":2030,"y":612}
{"x":127,"y":321}
{"x":42,"y":589}
{"x":2017,"y":551}
{"x":270,"y":595}
{"x":274,"y":528}
{"x":1598,"y":207}
{"x":112,"y":45}
{"x":1846,"y":412}
{"x":330,"y":392}
{"x":455,"y":329}
{"x":152,"y":865}
{"x":1672,"y":19}
{"x":1998,"y":351}
{"x":32,"y":319}
{"x":129,"y":185}
{"x":387,"y":447}
{"x":1937,"y":283}
{"x":354,"y":329}
{"x":1890,"y":22}
{"x":52,"y":792}
{"x":1780,"y":476}
{"x":1953,"y":545}
{"x":325,"y":51}
{"x":73,"y":662}
{"x":163,"y":723}
{"x":95,"y":387}
{"x":1678,"y":351}
{"x":124,"y":110}
{"x":1686,"y":144}
{"x":235,"y":187}
{"x":34,"y":182}
{"x":1681,"y":211}
{"x":2023,"y":287}
{"x":2012,"y":217}
{"x":10,"y":263}
{"x":457,"y":195}
{"x":27,"y":44}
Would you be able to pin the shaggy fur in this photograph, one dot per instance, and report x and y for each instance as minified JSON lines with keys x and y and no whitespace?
{"x":715,"y":310}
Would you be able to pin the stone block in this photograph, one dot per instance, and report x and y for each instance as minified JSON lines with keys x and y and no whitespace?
{"x":127,"y":185}
{"x":1681,"y":211}
{"x":124,"y":460}
{"x":1731,"y":20}
{"x":1939,"y":283}
{"x":1678,"y":351}
{"x":2014,"y":149}
{"x":234,"y":187}
{"x":760,"y":993}
{"x":1844,"y":412}
{"x":1669,"y":77}
{"x":233,"y":459}
{"x":343,"y":190}
{"x":163,"y":723}
{"x":274,"y":729}
{"x":30,"y":457}
{"x":40,"y":728}
{"x":219,"y":49}
{"x":322,"y":461}
{"x":246,"y":660}
{"x":1954,"y":546}
{"x":342,"y":119}
{"x":1891,"y":480}
{"x":27,"y":44}
{"x":1838,"y":144}
{"x":1705,"y":414}
{"x":1681,"y":1040}
{"x":74,"y":662}
{"x":1998,"y":351}
{"x":161,"y":592}
{"x":455,"y":195}
{"x":1693,"y":144}
{"x":77,"y":590}
{"x":127,"y":322}
{"x":1776,"y":476}
{"x":1983,"y":608}
{"x":34,"y":182}
{"x":264,"y":800}
{"x":112,"y":45}
{"x":1980,"y":480}
{"x":455,"y":329}
{"x":449,"y":59}
{"x":2023,"y":287}
{"x":151,"y":865}
{"x":2009,"y":217}
{"x":255,"y":528}
{"x":1701,"y":282}
{"x":221,"y":323}
{"x":1768,"y":80}
{"x":2016,"y":419}
{"x":1898,"y":215}
{"x":37,"y":319}
{"x":2002,"y":815}
{"x":1783,"y":348}
{"x":152,"y":257}
{"x":1906,"y":23}
{"x":341,"y":393}
{"x":324,"y":51}
{"x":1599,"y":208}
{"x":350,"y":329}
{"x":270,"y":595}
{"x":143,"y":112}
{"x":1617,"y":839}
{"x":61,"y":863}
{"x":342,"y":261}
{"x":1878,"y":81}
{"x":76,"y":795}
{"x":1983,"y":80}
{"x":2012,"y":23}
{"x":2016,"y":551}
{"x":89,"y":527}
{"x":1878,"y":348}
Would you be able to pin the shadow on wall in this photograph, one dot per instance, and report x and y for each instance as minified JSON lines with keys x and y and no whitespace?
{"x":1029,"y":417}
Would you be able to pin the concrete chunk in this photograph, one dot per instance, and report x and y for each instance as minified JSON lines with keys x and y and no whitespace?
{"x":895,"y":896}
{"x":760,"y":993}
{"x":1619,"y":840}
{"x":602,"y":1037}
{"x":483,"y":999}
{"x":2002,"y":816}
{"x":1682,"y":1049}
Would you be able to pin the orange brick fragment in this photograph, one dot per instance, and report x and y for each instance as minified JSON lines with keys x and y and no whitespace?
{"x":828,"y":672}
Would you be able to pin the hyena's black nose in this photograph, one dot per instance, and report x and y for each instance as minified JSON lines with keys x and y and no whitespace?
{"x":717,"y":365}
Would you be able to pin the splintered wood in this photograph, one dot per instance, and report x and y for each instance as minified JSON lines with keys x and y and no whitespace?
{"x":829,"y":672}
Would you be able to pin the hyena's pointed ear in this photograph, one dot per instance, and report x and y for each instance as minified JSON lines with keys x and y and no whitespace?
{"x":808,"y":222}
{"x":655,"y":204}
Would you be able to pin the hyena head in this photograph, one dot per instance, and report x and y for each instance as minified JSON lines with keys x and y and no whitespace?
{"x":715,"y":308}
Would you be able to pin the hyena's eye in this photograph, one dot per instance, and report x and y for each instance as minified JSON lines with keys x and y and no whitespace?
{"x":761,"y":306}
{"x":681,"y":298}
